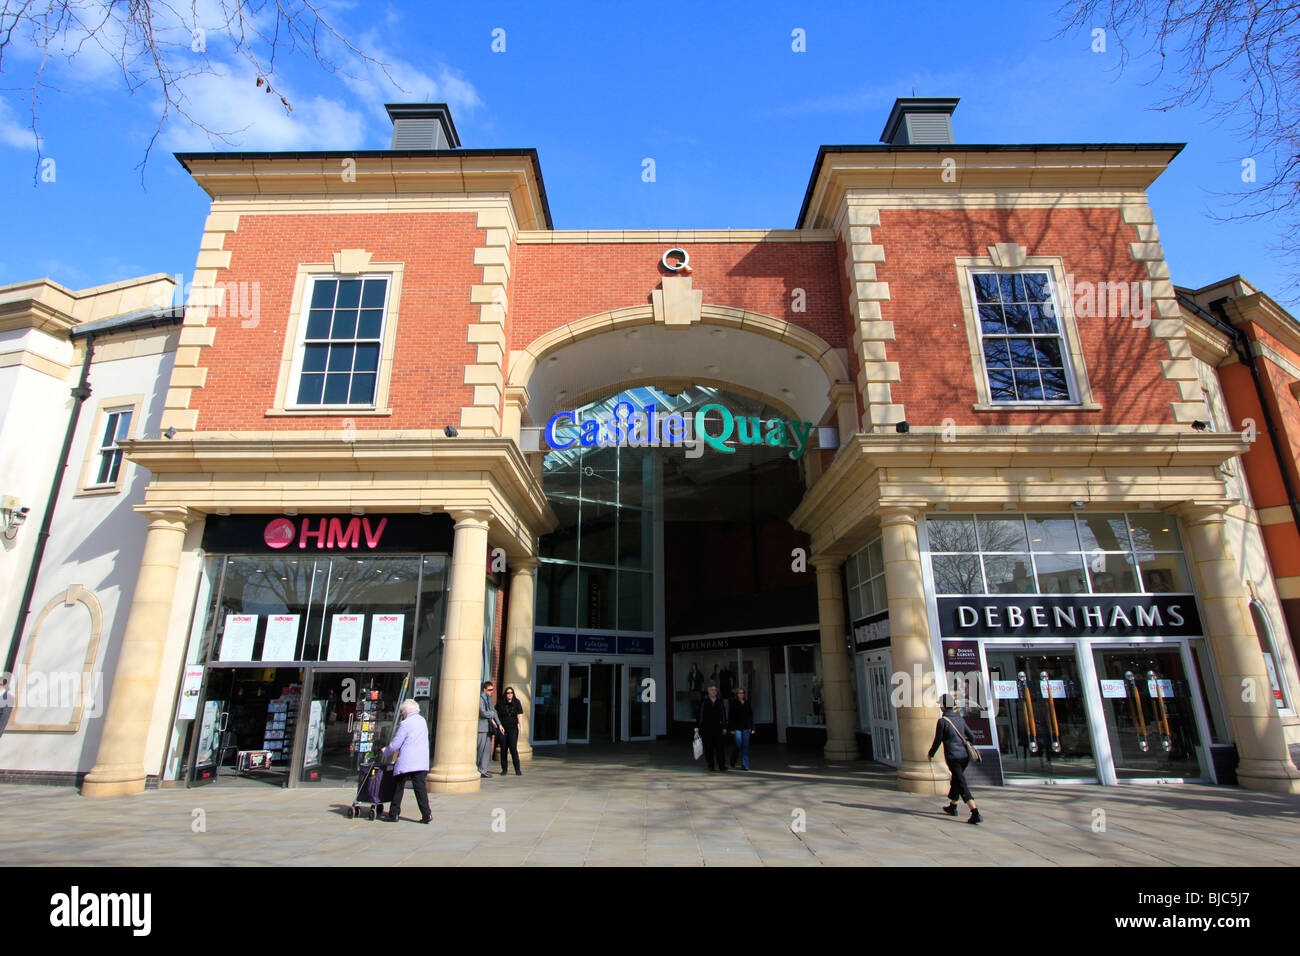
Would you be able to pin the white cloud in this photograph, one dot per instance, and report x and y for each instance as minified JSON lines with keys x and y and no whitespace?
{"x":15,"y":132}
{"x":399,"y":81}
{"x":230,"y":102}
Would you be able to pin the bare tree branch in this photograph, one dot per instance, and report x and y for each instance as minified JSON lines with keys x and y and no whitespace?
{"x":1241,"y":60}
{"x":158,"y":46}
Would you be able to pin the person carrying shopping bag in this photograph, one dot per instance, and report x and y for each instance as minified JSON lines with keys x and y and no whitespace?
{"x":712,"y":727}
{"x":958,"y":747}
{"x":411,"y":744}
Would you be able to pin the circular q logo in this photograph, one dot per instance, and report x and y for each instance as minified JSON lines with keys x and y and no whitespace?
{"x":683,"y":263}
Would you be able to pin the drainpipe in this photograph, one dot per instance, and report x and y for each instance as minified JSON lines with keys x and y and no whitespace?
{"x":1244,"y":355}
{"x":79,"y":396}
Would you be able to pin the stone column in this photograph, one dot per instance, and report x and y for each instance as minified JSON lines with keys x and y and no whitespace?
{"x":909,"y":644}
{"x":1264,"y":762}
{"x":518,"y":664}
{"x":119,"y":763}
{"x":837,"y":689}
{"x":455,"y":746}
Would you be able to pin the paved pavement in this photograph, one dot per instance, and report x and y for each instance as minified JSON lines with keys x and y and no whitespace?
{"x":647,"y":804}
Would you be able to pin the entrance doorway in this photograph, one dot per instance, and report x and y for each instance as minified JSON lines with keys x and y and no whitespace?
{"x":246,"y":726}
{"x":255,"y":729}
{"x":350,"y":719}
{"x":1043,"y":733}
{"x":1149,"y":714}
{"x":579,"y":702}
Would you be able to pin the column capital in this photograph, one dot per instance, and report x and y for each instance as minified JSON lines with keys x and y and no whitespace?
{"x":522,"y":565}
{"x":900,"y":512}
{"x":828,"y":563}
{"x":470,"y":518}
{"x":167,"y":514}
{"x":1195,"y":513}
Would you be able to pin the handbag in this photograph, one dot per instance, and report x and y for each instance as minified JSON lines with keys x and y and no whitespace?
{"x":970,"y":746}
{"x":697,"y":747}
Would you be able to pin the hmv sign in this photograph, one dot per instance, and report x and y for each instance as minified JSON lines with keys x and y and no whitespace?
{"x":328,"y":533}
{"x":1072,"y":615}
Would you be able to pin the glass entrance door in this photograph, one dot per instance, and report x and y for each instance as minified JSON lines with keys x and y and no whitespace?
{"x":247,"y":722}
{"x":603,"y":710}
{"x":1043,"y":732}
{"x":640,"y":709}
{"x":547,"y":703}
{"x":1149,"y":714}
{"x":350,"y":718}
{"x":579,"y":702}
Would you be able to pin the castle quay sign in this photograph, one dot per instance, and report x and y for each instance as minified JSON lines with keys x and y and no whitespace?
{"x":1070,"y":615}
{"x":713,"y":425}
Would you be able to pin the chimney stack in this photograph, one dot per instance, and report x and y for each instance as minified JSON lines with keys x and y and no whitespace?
{"x":920,"y":120}
{"x":422,"y":126}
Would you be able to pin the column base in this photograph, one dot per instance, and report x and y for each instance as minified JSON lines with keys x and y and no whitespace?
{"x":525,"y":755}
{"x":112,"y":782}
{"x":453,"y":780}
{"x":914,"y":777}
{"x":1268,"y":775}
{"x":840,"y":750}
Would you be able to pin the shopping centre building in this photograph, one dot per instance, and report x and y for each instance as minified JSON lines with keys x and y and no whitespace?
{"x":955,"y":429}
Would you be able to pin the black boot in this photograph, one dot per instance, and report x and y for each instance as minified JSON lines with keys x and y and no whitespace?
{"x":951,"y":809}
{"x":974,"y":816}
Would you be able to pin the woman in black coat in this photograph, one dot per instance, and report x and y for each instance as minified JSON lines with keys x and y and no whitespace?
{"x":508,"y":711}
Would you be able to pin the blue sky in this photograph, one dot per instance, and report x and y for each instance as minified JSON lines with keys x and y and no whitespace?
{"x":715,"y":95}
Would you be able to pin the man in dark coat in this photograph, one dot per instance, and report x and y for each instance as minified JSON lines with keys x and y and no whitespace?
{"x":712,"y":728}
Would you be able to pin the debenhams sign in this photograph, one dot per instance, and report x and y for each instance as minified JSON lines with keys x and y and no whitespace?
{"x":1075,"y":615}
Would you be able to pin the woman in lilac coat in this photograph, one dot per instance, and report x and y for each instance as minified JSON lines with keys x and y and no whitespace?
{"x":411,"y":744}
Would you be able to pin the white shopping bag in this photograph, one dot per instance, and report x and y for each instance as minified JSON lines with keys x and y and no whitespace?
{"x":697,"y":747}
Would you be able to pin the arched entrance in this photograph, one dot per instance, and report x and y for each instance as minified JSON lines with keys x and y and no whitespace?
{"x":672,"y":458}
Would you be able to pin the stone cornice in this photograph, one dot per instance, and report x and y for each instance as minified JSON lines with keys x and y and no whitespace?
{"x":884,"y":467}
{"x":237,"y":176}
{"x":1065,"y":169}
{"x":257,"y":474}
{"x":1260,"y":310}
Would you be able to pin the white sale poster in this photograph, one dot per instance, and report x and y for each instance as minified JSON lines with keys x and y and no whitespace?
{"x":281,"y":642}
{"x":238,"y":637}
{"x":191,"y":685}
{"x":386,"y":637}
{"x":1113,"y":687}
{"x":345,"y":637}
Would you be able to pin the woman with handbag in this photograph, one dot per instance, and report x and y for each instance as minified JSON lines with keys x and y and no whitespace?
{"x":958,"y":749}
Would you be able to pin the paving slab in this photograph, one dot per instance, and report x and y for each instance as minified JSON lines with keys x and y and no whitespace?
{"x":648,"y":805}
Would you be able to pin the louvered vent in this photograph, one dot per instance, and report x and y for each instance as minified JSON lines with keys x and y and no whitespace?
{"x":919,"y":121}
{"x":422,"y":126}
{"x":929,"y":128}
{"x":418,"y":134}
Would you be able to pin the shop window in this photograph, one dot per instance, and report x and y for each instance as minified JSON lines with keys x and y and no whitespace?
{"x":1137,"y":553}
{"x":865,"y":579}
{"x":1272,"y":661}
{"x":342,"y":341}
{"x":803,"y":666}
{"x":105,"y":468}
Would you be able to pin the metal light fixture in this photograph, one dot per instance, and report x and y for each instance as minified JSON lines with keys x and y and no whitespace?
{"x":902,"y":427}
{"x":1199,"y":426}
{"x":170,"y":433}
{"x":12,"y":517}
{"x":450,"y":432}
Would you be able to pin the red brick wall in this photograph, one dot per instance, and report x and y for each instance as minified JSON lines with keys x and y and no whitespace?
{"x":432,"y":349}
{"x":932,"y":347}
{"x":554,"y":284}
